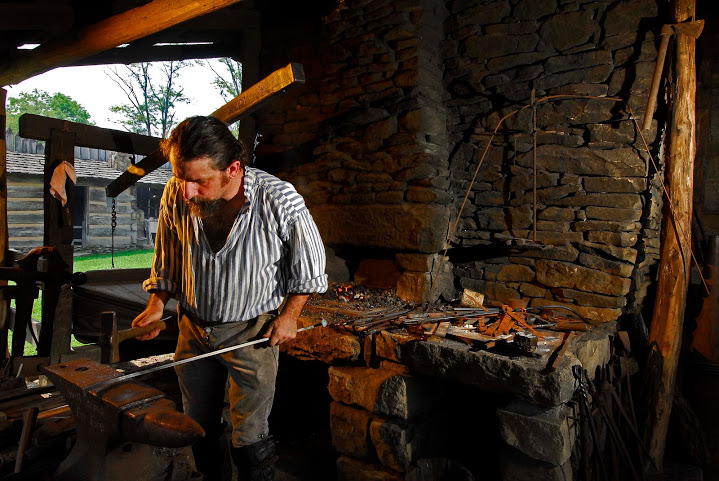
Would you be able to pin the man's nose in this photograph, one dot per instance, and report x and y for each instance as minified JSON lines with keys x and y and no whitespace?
{"x":190,"y":190}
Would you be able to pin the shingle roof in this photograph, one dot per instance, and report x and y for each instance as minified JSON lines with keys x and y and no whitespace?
{"x":33,"y":164}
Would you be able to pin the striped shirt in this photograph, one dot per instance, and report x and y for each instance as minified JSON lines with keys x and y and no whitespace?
{"x":274,"y":248}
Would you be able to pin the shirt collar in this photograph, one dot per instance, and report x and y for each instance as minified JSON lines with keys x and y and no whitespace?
{"x":250,"y":184}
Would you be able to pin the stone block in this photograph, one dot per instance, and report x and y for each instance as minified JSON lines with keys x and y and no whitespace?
{"x":350,"y":430}
{"x":597,"y":314}
{"x":544,"y":434}
{"x":392,"y":443}
{"x":616,"y":132}
{"x":523,"y":377}
{"x":593,"y":349}
{"x":611,"y":267}
{"x":606,"y":225}
{"x":556,"y":214}
{"x":491,"y":46}
{"x":422,"y":262}
{"x":417,"y":286}
{"x":563,"y":274}
{"x":414,"y":227}
{"x":555,"y":32}
{"x":533,"y":9}
{"x":387,"y":345}
{"x":588,"y":59}
{"x":349,"y":469}
{"x":620,"y":239}
{"x":387,"y":391}
{"x":588,"y":299}
{"x":515,"y":273}
{"x":515,"y":60}
{"x":625,"y":254}
{"x":516,"y":466}
{"x":323,"y":345}
{"x":400,"y":445}
{"x":625,"y":16}
{"x":583,"y":161}
{"x":532,"y":290}
{"x":609,"y":213}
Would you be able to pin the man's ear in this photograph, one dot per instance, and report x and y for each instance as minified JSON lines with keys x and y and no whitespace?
{"x":234,"y":169}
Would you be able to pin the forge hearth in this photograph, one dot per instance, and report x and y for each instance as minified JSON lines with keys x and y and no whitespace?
{"x":401,"y":395}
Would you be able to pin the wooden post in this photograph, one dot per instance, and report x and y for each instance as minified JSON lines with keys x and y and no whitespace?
{"x":3,"y":222}
{"x":57,"y":325}
{"x":675,"y":258}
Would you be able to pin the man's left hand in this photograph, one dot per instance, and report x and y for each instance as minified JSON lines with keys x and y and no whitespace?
{"x":283,"y":328}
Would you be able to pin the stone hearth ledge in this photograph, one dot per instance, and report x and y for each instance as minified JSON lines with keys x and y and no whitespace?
{"x":526,"y":378}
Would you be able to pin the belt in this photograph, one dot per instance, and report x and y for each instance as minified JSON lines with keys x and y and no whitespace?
{"x":203,"y":323}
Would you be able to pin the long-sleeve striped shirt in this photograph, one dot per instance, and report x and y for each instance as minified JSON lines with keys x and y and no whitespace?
{"x":274,"y":248}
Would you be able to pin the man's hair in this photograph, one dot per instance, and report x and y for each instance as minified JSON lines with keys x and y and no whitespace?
{"x":202,"y":136}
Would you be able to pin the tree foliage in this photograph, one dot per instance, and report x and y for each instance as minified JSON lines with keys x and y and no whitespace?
{"x":228,"y":77}
{"x":228,"y":80}
{"x":153,"y":93}
{"x":40,"y":102}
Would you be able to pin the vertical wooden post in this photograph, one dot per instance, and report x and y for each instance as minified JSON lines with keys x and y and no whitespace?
{"x":675,"y":258}
{"x":3,"y":222}
{"x":57,"y":325}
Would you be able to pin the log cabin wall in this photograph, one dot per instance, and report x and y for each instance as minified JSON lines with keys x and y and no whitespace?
{"x":390,"y":127}
{"x":25,"y":205}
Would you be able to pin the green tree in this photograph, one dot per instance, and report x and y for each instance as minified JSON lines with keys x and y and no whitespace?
{"x":228,"y":77}
{"x":40,"y":102}
{"x":228,"y":80}
{"x":153,"y":95}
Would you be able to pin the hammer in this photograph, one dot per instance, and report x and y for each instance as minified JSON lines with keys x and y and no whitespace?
{"x":110,"y":337}
{"x":692,"y":29}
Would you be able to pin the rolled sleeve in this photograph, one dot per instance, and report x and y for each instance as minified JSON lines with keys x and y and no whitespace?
{"x":165,"y":274}
{"x":307,"y":269}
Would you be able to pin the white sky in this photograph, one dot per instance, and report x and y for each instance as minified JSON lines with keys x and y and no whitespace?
{"x":95,"y":91}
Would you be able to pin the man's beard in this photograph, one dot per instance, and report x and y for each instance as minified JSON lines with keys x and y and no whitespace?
{"x":209,"y":207}
{"x":206,"y":207}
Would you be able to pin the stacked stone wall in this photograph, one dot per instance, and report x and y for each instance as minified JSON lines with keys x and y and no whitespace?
{"x":368,"y":129}
{"x":576,"y":218}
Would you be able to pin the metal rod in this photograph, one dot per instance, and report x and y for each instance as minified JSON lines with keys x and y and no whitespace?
{"x":191,"y":359}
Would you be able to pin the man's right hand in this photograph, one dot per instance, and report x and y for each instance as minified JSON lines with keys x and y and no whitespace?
{"x":152,"y":313}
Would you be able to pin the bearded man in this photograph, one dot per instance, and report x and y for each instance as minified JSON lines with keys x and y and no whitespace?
{"x":240,"y":251}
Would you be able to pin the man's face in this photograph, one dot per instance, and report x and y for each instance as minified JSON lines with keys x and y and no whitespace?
{"x":205,"y":187}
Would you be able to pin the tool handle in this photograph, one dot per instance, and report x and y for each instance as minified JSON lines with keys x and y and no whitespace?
{"x":140,"y":331}
{"x":656,"y":78}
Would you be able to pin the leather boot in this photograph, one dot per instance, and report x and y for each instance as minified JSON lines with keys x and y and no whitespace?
{"x":208,"y":453}
{"x":255,"y":462}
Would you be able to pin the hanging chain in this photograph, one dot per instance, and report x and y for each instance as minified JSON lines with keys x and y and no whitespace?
{"x":113,"y":224}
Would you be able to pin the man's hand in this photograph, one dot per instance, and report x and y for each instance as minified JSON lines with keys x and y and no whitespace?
{"x":152,"y":313}
{"x":284,"y":327}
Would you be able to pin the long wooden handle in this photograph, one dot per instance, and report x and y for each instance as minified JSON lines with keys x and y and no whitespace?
{"x":654,"y":91}
{"x":140,"y":331}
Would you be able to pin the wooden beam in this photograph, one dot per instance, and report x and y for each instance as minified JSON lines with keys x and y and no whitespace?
{"x":675,"y":257}
{"x":262,"y":92}
{"x":109,"y":33}
{"x":138,"y":54}
{"x":247,"y":102}
{"x":40,"y":128}
{"x":3,"y":223}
